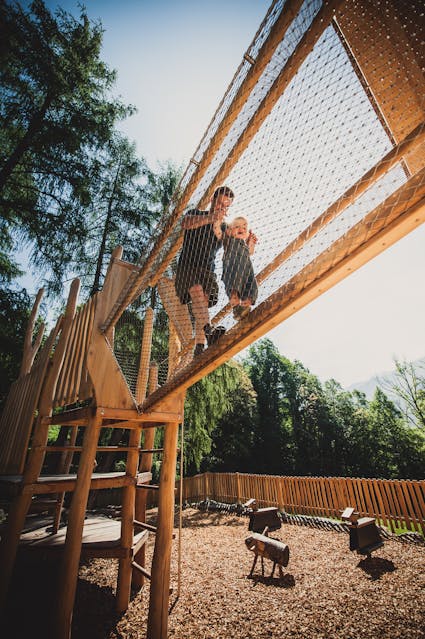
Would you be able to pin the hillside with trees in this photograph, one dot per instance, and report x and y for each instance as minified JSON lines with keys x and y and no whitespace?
{"x":282,"y":420}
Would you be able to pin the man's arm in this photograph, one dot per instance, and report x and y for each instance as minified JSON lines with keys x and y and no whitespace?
{"x":195,"y":221}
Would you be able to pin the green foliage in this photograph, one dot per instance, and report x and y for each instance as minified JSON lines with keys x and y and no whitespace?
{"x":206,"y":402}
{"x":53,"y":434}
{"x":409,"y":387}
{"x":294,"y":424}
{"x":268,"y":372}
{"x":396,"y":450}
{"x":232,"y":445}
{"x":15,"y":309}
{"x":55,"y":115}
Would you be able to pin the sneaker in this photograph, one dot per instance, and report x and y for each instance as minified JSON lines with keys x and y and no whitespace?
{"x":213,"y":333}
{"x":239,"y":311}
{"x":199,"y":349}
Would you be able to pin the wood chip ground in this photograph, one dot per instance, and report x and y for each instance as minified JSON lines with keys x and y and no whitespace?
{"x":327,"y":592}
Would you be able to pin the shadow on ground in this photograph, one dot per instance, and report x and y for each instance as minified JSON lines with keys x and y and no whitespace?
{"x":287,"y":581}
{"x":32,"y":603}
{"x":375,"y":567}
{"x":202,"y":519}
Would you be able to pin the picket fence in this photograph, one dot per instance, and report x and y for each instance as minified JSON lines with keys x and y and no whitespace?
{"x":398,"y":504}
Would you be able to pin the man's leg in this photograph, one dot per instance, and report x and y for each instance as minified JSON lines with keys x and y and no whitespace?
{"x":200,"y":312}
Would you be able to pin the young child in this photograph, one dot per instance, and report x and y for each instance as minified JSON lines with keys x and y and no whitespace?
{"x":238,"y":272}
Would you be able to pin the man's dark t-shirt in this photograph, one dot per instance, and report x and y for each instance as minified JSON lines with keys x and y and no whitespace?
{"x":196,"y":263}
{"x":199,"y":245}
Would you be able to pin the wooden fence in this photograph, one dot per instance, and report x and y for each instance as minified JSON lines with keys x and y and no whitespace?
{"x":397,"y":503}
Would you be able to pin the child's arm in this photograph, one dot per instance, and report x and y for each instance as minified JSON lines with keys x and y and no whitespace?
{"x":251,"y":242}
{"x":220,"y":229}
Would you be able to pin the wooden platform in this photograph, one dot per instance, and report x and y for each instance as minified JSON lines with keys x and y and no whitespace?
{"x":11,"y":484}
{"x":101,"y":538}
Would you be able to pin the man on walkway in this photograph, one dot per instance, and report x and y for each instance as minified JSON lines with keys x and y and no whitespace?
{"x":196,"y":282}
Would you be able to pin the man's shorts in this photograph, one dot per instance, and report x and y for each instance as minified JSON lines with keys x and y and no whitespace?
{"x":187,"y":276}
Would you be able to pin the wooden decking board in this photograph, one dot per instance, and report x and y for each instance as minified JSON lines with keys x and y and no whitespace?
{"x":101,"y":538}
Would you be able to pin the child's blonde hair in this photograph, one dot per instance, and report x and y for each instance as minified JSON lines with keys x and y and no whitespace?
{"x":238,"y":219}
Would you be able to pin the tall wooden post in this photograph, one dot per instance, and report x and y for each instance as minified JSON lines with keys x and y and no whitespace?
{"x":160,"y":585}
{"x":238,"y":489}
{"x":72,"y":550}
{"x":145,"y":466}
{"x":174,"y":348}
{"x":127,"y":525}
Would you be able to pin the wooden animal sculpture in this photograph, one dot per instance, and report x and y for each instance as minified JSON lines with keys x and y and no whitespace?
{"x":262,"y":518}
{"x":266,"y":548}
{"x":364,"y":533}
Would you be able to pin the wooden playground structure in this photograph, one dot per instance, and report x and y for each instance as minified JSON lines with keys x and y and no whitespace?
{"x":75,"y":379}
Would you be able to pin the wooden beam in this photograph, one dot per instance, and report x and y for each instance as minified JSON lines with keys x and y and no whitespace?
{"x":97,"y":483}
{"x":72,"y":550}
{"x":399,"y":214}
{"x":75,"y":416}
{"x":145,"y":526}
{"x":145,"y":465}
{"x":122,"y":417}
{"x":141,"y":570}
{"x":127,"y":525}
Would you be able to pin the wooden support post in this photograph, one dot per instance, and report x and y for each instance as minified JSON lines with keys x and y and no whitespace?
{"x":160,"y":586}
{"x":178,"y":313}
{"x":63,"y":468}
{"x":145,"y":357}
{"x":72,"y":550}
{"x":127,"y":526}
{"x":142,"y":495}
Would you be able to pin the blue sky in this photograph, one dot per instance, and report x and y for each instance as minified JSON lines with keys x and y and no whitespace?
{"x":174,"y":62}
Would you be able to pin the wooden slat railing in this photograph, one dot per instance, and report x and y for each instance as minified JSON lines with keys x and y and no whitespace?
{"x":397,"y":503}
{"x":70,"y":386}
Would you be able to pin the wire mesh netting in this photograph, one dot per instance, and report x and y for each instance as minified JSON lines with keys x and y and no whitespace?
{"x":323,"y":150}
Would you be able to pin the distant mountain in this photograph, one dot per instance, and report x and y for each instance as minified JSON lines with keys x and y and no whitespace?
{"x":368,"y":387}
